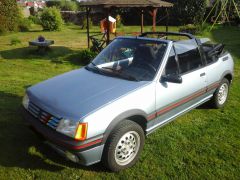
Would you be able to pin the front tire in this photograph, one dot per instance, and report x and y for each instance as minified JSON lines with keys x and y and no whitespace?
{"x":123,"y":146}
{"x":221,"y":95}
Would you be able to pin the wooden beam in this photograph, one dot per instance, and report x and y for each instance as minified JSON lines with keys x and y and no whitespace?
{"x":154,"y":13}
{"x":167,"y":21}
{"x":142,"y":20}
{"x":108,"y":26}
{"x":88,"y":32}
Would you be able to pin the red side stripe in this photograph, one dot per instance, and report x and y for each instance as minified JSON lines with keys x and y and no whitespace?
{"x":151,"y":116}
{"x":197,"y":94}
{"x":180,"y":102}
{"x":86,"y":145}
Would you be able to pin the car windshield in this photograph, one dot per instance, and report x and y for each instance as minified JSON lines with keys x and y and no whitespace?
{"x":131,"y":59}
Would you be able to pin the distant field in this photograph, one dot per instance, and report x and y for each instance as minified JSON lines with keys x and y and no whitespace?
{"x":203,"y":144}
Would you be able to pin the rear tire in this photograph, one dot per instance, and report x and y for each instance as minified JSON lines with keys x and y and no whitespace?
{"x":220,"y":96}
{"x":123,"y":146}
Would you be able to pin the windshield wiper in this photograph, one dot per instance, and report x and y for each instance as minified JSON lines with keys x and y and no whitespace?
{"x":113,"y":73}
{"x":99,"y":70}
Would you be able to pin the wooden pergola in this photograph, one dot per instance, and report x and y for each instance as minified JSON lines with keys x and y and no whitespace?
{"x":107,"y":5}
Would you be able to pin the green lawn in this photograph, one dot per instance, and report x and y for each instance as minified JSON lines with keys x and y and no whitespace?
{"x":203,"y":144}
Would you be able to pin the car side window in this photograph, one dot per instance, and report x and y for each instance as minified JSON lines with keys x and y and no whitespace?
{"x":189,"y":57}
{"x":171,"y":66}
{"x":206,"y":48}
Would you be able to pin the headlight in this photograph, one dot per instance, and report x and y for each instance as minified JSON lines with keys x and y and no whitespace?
{"x":67,"y":127}
{"x":73,"y":129}
{"x":25,"y":101}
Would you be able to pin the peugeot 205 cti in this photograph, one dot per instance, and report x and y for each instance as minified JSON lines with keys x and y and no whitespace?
{"x":102,"y":112}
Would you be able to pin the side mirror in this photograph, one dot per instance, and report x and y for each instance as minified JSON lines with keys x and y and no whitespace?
{"x":172,"y":78}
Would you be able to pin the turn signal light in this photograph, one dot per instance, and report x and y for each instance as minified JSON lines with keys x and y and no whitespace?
{"x":81,"y":133}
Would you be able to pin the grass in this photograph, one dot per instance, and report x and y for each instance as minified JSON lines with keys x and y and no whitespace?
{"x":203,"y":144}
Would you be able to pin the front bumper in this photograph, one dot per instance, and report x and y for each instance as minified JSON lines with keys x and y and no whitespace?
{"x":86,"y":152}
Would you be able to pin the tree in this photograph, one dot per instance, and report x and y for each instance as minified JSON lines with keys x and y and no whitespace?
{"x":190,"y":11}
{"x":9,"y":15}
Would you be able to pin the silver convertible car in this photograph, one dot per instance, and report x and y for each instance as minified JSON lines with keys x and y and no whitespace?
{"x":104,"y":111}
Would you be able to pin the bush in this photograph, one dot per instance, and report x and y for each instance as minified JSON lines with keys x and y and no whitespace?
{"x":190,"y":28}
{"x":15,"y":41}
{"x":119,"y":21}
{"x":51,"y":19}
{"x":68,"y":5}
{"x":64,"y":5}
{"x":86,"y":56}
{"x":195,"y":29}
{"x":24,"y":24}
{"x":9,"y":15}
{"x":53,"y":4}
{"x":34,"y":19}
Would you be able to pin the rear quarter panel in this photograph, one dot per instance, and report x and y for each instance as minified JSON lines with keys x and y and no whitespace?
{"x":217,"y":70}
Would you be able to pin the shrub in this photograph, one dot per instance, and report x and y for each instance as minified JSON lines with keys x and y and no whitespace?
{"x":53,"y":3}
{"x":190,"y":28}
{"x":68,"y":5}
{"x":119,"y":21}
{"x":195,"y":29}
{"x":15,"y":41}
{"x":9,"y":15}
{"x":24,"y":24}
{"x":86,"y":56}
{"x":34,"y":19}
{"x":51,"y":19}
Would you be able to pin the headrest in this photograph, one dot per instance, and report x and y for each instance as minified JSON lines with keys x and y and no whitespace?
{"x":145,"y":52}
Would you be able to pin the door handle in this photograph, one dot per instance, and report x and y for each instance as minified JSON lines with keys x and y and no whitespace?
{"x":202,"y":74}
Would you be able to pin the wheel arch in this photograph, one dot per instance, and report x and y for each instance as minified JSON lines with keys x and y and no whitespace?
{"x":228,"y":75}
{"x":137,"y":116}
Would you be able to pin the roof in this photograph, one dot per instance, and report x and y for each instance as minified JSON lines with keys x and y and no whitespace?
{"x":126,"y":3}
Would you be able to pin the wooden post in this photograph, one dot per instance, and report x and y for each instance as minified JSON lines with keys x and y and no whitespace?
{"x":154,"y":19}
{"x":167,"y":21}
{"x":88,"y":33}
{"x":154,"y":16}
{"x":108,"y":26}
{"x":142,"y":20}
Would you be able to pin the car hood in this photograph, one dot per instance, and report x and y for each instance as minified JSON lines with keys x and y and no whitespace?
{"x":78,"y":93}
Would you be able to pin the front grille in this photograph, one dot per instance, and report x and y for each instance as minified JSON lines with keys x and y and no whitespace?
{"x":43,"y":116}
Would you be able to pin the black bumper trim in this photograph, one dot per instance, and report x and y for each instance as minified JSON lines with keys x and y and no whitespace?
{"x":61,"y":140}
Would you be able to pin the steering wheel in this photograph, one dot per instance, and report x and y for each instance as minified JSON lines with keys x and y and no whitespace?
{"x":146,"y":64}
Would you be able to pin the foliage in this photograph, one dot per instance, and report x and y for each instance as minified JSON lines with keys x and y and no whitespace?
{"x":9,"y":15}
{"x":53,"y":4}
{"x":15,"y":41}
{"x":24,"y":24}
{"x":190,"y":28}
{"x":189,"y":11}
{"x":34,"y":19}
{"x":84,"y":23}
{"x":51,"y":19}
{"x":64,"y":5}
{"x":119,"y":21}
{"x":68,"y":5}
{"x":86,"y":56}
{"x":195,"y":29}
{"x":203,"y":28}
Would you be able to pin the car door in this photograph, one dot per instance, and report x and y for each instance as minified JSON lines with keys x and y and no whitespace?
{"x":173,"y":99}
